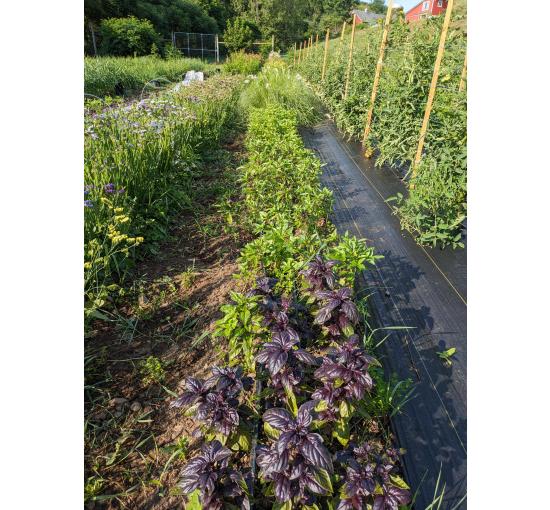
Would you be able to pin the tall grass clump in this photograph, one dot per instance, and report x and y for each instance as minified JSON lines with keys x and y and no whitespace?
{"x":140,"y":160}
{"x":105,"y":76}
{"x":243,"y":63}
{"x":281,"y":86}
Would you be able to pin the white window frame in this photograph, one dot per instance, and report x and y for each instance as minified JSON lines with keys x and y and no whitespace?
{"x":440,"y":3}
{"x":425,"y":6}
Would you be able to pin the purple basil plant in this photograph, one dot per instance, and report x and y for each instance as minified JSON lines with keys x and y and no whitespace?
{"x":217,"y":483}
{"x":319,"y":274}
{"x":215,"y":400}
{"x":370,"y":479}
{"x":283,"y":359}
{"x":297,"y":463}
{"x":345,"y":377}
{"x":338,"y":312}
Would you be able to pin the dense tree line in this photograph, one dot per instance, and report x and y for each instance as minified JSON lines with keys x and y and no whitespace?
{"x":288,"y":20}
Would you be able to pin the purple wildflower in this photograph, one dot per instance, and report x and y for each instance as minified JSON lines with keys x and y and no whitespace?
{"x":109,"y":188}
{"x":88,"y":203}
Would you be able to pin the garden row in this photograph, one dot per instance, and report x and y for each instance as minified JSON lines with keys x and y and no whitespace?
{"x":435,"y":207}
{"x":300,"y":397}
{"x":128,"y":76}
{"x":140,"y":161}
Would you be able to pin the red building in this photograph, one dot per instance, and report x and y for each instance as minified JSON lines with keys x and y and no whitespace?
{"x":426,"y":9}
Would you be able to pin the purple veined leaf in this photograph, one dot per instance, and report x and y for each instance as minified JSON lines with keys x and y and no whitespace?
{"x":194,"y":466}
{"x":324,"y":294}
{"x":344,"y":293}
{"x":189,"y":483}
{"x":207,"y":481}
{"x":185,"y":399}
{"x":350,"y":310}
{"x":276,"y":361}
{"x":315,"y":452}
{"x":304,"y":357}
{"x":323,"y":315}
{"x":304,"y":417}
{"x":314,"y":486}
{"x":281,"y":486}
{"x":286,"y":440}
{"x":329,"y":370}
{"x":298,"y":468}
{"x":284,"y":339}
{"x":278,"y":418}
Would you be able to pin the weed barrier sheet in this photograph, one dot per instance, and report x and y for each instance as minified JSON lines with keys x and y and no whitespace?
{"x":416,"y":287}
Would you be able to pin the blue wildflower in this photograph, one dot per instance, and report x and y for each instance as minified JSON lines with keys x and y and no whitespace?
{"x":88,"y":203}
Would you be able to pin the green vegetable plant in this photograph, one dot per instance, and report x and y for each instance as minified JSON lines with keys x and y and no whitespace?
{"x":241,"y":327}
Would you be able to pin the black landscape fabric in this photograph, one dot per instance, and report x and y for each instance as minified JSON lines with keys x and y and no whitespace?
{"x":417,"y":287}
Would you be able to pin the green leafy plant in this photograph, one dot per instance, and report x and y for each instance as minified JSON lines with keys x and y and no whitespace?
{"x":241,"y":326}
{"x":243,"y":63}
{"x":152,"y":371}
{"x":239,"y":35}
{"x":446,"y":355}
{"x":127,"y":36}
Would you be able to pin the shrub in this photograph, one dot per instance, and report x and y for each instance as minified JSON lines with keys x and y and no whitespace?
{"x":243,"y":63}
{"x":239,"y":35}
{"x":127,"y":36}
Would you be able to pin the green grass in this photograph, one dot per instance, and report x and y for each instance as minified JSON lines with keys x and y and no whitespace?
{"x":102,"y":74}
{"x":282,"y":86}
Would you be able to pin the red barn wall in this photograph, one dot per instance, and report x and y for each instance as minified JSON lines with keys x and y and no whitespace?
{"x":433,"y":10}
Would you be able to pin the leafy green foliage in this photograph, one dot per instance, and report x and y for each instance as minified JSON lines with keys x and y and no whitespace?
{"x":243,"y":63}
{"x":241,"y":326}
{"x":127,"y":36}
{"x":139,"y":162}
{"x":435,"y":206}
{"x":281,"y":86}
{"x":239,"y":35}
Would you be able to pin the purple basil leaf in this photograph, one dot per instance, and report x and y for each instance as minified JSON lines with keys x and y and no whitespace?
{"x":315,"y":452}
{"x":278,"y":418}
{"x":304,"y":357}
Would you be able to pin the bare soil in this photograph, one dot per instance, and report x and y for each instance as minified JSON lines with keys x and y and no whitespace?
{"x":131,"y":433}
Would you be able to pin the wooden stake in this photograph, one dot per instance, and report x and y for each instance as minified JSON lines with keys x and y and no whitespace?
{"x":300,"y":54}
{"x":273,"y":42}
{"x":316,"y":42}
{"x":350,"y":60}
{"x":378,"y":71}
{"x":310,"y":44}
{"x":325,"y":55}
{"x":433,"y":86}
{"x":463,"y":75}
{"x":343,"y":32}
{"x":294,"y":65}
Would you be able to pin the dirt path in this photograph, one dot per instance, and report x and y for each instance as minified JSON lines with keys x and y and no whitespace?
{"x":135,"y":445}
{"x":415,"y":287}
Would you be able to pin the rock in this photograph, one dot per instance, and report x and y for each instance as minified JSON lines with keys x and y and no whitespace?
{"x":135,"y":407}
{"x":118,"y":401}
{"x":118,"y":414}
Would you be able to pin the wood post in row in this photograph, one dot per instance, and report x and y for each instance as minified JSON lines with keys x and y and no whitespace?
{"x":378,"y":70}
{"x":350,"y":59}
{"x":433,"y":85}
{"x":325,"y":55}
{"x":463,"y":75}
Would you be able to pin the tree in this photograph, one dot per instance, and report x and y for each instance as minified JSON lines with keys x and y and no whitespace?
{"x":239,"y":35}
{"x":377,"y":6}
{"x":127,"y":36}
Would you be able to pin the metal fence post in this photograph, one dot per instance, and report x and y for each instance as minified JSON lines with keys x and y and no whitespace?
{"x":93,"y":38}
{"x":378,"y":71}
{"x":431,"y":94}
